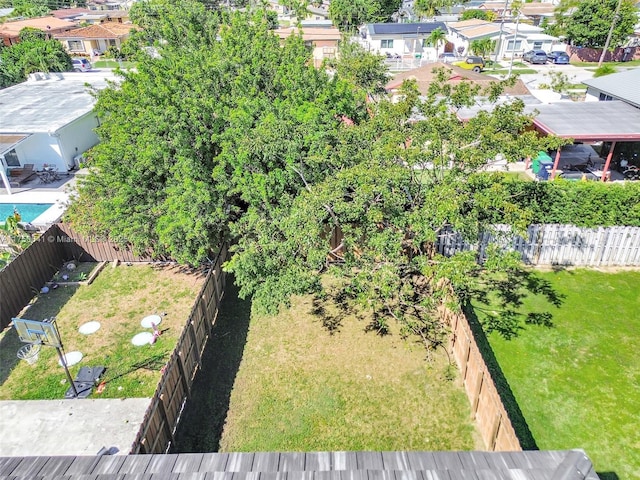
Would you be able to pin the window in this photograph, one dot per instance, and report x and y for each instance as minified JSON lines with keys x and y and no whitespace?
{"x":386,"y":43}
{"x":11,"y":158}
{"x":537,"y":45}
{"x":605,"y":98}
{"x":514,"y":45}
{"x":112,"y":42}
{"x":75,"y":45}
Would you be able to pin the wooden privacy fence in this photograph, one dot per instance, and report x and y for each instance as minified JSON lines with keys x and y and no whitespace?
{"x":558,"y":245}
{"x":161,"y":419}
{"x":487,"y":408}
{"x":23,"y":278}
{"x":28,"y":272}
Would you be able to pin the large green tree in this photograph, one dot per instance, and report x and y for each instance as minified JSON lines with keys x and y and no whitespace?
{"x":589,"y":25}
{"x":31,"y":54}
{"x":430,"y":8}
{"x":211,"y":130}
{"x":237,"y":137}
{"x":348,"y":15}
{"x":402,"y":183}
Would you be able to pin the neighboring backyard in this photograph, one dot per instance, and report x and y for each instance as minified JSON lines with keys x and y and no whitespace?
{"x":300,"y":388}
{"x":119,"y":298}
{"x":577,"y":381}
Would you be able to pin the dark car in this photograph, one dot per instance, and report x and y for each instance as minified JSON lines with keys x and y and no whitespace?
{"x":535,"y":56}
{"x":560,"y":58}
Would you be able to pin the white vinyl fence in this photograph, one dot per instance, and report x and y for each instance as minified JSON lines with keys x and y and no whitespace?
{"x":559,"y":245}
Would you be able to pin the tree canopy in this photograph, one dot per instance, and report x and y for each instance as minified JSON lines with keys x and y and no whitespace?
{"x":32,"y":54}
{"x":234,"y":136}
{"x":487,"y":15}
{"x":348,"y":15}
{"x":589,"y":25}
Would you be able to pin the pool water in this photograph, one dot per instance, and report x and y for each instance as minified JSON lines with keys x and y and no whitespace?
{"x":28,"y":211}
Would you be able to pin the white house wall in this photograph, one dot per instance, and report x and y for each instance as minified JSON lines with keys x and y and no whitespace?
{"x":40,"y":149}
{"x":77,"y":137}
{"x":402,"y":46}
{"x":59,"y":148}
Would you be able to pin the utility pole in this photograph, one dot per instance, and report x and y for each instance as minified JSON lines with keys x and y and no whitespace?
{"x":515,"y":7}
{"x":499,"y":45}
{"x":613,"y":25}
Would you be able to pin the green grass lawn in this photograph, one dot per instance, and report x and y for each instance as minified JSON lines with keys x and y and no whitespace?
{"x":578,"y":381}
{"x":110,"y":63}
{"x":299,"y":388}
{"x":118,"y":298}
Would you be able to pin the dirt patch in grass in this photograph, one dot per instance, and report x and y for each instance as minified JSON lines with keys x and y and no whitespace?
{"x":300,"y":388}
{"x":119,"y":299}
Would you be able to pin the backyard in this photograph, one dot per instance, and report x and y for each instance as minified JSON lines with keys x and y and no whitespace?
{"x":301,"y":388}
{"x":119,"y":298}
{"x":577,"y":379}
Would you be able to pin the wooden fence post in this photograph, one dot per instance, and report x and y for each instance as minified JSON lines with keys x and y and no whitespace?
{"x":183,"y":374}
{"x":165,"y":421}
{"x":194,"y":340}
{"x":476,"y":395}
{"x":494,"y":431}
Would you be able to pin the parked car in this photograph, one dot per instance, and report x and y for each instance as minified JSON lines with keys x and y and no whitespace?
{"x":471,"y":63}
{"x":535,"y":56}
{"x":560,"y":58}
{"x":447,"y":57}
{"x":81,"y":65}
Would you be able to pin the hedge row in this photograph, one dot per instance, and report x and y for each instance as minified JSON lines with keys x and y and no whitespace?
{"x":584,"y":204}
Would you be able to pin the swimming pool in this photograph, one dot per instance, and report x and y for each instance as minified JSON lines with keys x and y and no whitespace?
{"x":28,"y":211}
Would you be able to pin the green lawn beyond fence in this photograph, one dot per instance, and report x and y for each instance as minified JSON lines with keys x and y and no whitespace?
{"x":577,"y":382}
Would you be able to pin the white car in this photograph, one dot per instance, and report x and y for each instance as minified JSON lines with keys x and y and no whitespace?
{"x":447,"y":57}
{"x":81,"y":65}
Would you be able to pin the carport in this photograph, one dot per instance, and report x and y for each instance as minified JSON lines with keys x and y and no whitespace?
{"x":589,"y":122}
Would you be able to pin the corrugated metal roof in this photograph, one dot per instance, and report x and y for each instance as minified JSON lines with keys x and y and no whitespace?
{"x":481,"y":31}
{"x":534,"y":465}
{"x":405,"y":28}
{"x":606,"y":121}
{"x":624,"y":86}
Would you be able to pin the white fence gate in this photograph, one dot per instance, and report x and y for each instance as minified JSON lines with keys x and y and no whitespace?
{"x":559,"y":245}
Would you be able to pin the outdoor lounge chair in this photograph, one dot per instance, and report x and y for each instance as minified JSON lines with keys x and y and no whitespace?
{"x":20,"y":176}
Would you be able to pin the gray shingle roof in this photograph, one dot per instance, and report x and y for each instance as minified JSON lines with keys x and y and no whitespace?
{"x":624,"y":86}
{"x":529,"y":465}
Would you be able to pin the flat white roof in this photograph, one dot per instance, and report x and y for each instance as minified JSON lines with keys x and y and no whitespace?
{"x":38,"y":106}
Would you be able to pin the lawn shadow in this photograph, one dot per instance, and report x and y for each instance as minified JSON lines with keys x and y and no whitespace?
{"x":523,"y":432}
{"x":608,"y":475}
{"x":504,"y":296}
{"x":202,"y":422}
{"x":43,"y":307}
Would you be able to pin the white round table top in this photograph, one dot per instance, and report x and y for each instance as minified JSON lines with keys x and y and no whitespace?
{"x":71,"y":358}
{"x":151,"y":319}
{"x":89,"y":328}
{"x":142,"y":338}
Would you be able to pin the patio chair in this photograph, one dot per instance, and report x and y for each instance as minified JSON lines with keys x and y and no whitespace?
{"x":20,"y":176}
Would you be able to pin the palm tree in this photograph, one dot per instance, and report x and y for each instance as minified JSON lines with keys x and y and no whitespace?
{"x":435,"y":37}
{"x":429,"y":8}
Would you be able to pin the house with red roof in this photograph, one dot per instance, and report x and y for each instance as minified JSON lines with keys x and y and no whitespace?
{"x":96,"y":38}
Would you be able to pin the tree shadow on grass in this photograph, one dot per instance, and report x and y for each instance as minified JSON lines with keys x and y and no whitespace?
{"x":205,"y":412}
{"x":523,"y":432}
{"x":504,"y":296}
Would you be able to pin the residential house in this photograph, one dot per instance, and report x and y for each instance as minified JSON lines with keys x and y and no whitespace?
{"x":537,"y":11}
{"x":10,"y":31}
{"x":49,"y":120}
{"x":95,"y":39}
{"x":86,"y":16}
{"x":322,"y":41}
{"x":109,"y":4}
{"x":425,"y":75}
{"x":507,"y":41}
{"x":528,"y":37}
{"x":404,"y":39}
{"x":622,"y":86}
{"x":461,"y":34}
